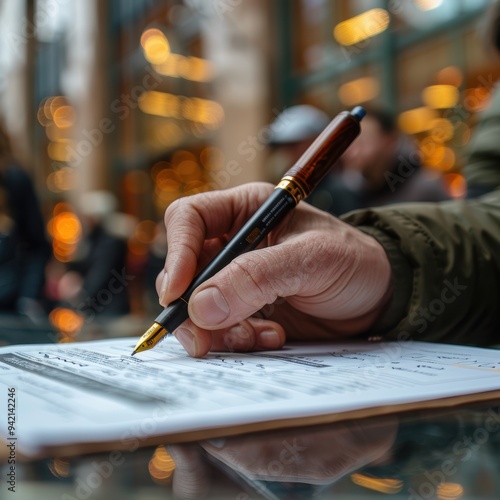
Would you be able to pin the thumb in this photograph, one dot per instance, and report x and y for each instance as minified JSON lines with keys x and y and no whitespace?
{"x":328,"y":274}
{"x":242,"y":288}
{"x":258,"y":278}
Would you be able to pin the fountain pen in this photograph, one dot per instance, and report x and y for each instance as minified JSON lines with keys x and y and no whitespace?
{"x":297,"y":184}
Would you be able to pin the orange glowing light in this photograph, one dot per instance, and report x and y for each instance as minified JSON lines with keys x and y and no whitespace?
{"x":449,"y":491}
{"x":158,"y":167}
{"x":61,"y":207}
{"x":161,"y":466}
{"x":437,"y":156}
{"x":155,"y":45}
{"x":59,"y":467}
{"x":182,"y":155}
{"x":66,"y":228}
{"x":416,"y":120}
{"x":188,"y":170}
{"x":190,"y":68}
{"x":441,"y":130}
{"x":361,"y":27}
{"x":440,"y":96}
{"x":360,"y":90}
{"x":64,"y":117}
{"x":476,"y":99}
{"x":205,"y":111}
{"x":66,"y":320}
{"x":57,"y":102}
{"x":456,"y":184}
{"x":59,"y":151}
{"x":388,"y":486}
{"x":451,"y":75}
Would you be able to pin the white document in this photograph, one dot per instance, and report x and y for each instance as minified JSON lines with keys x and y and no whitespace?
{"x":94,"y":392}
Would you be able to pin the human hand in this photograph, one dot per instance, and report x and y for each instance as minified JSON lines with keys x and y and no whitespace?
{"x":334,"y":278}
{"x":319,"y":455}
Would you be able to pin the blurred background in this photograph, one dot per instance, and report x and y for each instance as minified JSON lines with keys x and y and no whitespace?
{"x":116,"y":108}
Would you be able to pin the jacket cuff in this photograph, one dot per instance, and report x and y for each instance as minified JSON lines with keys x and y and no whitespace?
{"x":402,"y":282}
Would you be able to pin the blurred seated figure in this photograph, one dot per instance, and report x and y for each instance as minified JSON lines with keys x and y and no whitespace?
{"x":97,"y":280}
{"x":24,"y":249}
{"x":383,"y":165}
{"x":291,"y":134}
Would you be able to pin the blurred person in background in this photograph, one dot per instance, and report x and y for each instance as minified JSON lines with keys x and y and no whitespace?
{"x":482,"y":167}
{"x":96,"y":283}
{"x":379,"y":271}
{"x":24,"y":249}
{"x":383,"y":166}
{"x":290,"y":135}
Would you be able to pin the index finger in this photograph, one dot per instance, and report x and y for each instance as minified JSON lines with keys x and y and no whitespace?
{"x":192,"y":220}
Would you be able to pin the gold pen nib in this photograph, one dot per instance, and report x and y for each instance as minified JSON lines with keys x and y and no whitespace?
{"x":152,"y":336}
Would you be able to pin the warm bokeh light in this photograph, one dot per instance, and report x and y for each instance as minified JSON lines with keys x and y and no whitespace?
{"x":388,"y":486}
{"x":66,"y":231}
{"x":160,"y":104}
{"x":416,"y":120}
{"x":358,"y":91}
{"x":449,"y":491}
{"x":66,"y":321}
{"x":428,"y":4}
{"x":456,"y":185}
{"x":161,"y":466}
{"x":189,"y":68}
{"x":155,"y":45}
{"x":181,"y":155}
{"x":440,"y":96}
{"x":64,"y":116}
{"x":451,"y":75}
{"x":66,"y":227}
{"x":61,"y":207}
{"x":188,"y":170}
{"x":59,"y":467}
{"x":204,"y":111}
{"x":60,"y":150}
{"x":158,"y":167}
{"x":441,"y":130}
{"x":438,"y":157}
{"x":359,"y":28}
{"x":476,"y":99}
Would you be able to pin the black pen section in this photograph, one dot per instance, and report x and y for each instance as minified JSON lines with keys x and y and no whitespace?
{"x":267,"y":217}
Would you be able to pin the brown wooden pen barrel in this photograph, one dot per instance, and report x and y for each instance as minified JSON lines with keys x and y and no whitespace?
{"x":319,"y":158}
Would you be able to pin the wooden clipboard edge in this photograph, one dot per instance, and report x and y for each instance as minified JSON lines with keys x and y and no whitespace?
{"x":75,"y":449}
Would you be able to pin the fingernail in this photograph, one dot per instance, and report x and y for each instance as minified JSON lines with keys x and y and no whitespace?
{"x":163,"y":288}
{"x":186,"y":338}
{"x":209,"y":306}
{"x":269,"y":339}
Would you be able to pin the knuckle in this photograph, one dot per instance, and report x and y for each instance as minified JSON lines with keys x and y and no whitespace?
{"x":251,"y":281}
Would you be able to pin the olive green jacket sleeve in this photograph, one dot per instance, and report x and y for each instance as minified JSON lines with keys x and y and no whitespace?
{"x":445,"y":260}
{"x":445,"y":257}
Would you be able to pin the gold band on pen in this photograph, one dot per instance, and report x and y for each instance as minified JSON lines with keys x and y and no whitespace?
{"x":294,"y":187}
